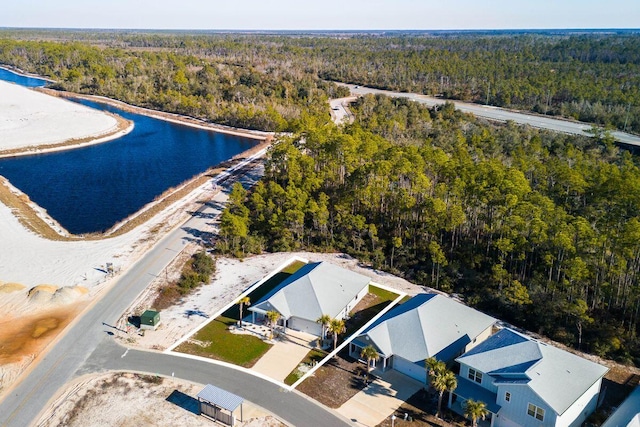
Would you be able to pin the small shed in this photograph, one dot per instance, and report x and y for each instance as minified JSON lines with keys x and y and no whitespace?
{"x":150,"y":319}
{"x":219,"y":404}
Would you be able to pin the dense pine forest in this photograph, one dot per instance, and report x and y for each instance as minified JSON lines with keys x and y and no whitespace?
{"x":537,"y":228}
{"x":262,"y":81}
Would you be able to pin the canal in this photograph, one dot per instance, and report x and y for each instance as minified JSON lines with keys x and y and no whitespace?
{"x":92,"y":188}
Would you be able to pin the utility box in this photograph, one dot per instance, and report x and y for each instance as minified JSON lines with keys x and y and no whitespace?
{"x":150,"y":319}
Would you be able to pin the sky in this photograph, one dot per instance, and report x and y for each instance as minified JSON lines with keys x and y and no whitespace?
{"x":322,"y":14}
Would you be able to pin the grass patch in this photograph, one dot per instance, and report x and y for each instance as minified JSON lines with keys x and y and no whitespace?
{"x":216,"y":342}
{"x":383,"y":293}
{"x":373,"y":303}
{"x":314,"y":356}
{"x":293,"y":267}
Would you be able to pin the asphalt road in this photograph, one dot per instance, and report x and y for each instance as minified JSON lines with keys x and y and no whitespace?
{"x":498,"y":114}
{"x":60,"y":363}
{"x":293,"y":407}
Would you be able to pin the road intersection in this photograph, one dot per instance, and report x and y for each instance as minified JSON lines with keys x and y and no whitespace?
{"x":87,"y":346}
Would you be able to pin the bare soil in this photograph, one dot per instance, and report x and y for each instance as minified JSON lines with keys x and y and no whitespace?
{"x":22,"y":338}
{"x":140,"y":400}
{"x":336,"y":381}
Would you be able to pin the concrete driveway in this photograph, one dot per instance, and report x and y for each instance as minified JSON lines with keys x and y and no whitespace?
{"x":285,"y":355}
{"x":380,"y":399}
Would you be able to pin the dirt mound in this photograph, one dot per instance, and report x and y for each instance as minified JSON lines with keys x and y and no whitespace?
{"x":68,"y":294}
{"x":7,"y":288}
{"x":42,"y":288}
{"x":42,"y":293}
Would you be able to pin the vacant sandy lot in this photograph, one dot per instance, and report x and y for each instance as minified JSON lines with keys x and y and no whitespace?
{"x":141,"y":400}
{"x":31,"y":119}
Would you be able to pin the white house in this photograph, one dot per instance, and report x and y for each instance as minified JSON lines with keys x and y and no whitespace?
{"x":314,"y":290}
{"x":428,"y":325}
{"x":528,"y":383}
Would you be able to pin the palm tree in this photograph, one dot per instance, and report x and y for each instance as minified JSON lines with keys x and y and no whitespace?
{"x":475,"y":409}
{"x":369,"y":353}
{"x":273,"y":317}
{"x":445,"y":381}
{"x":336,"y":327}
{"x":324,"y":320}
{"x":434,"y":367}
{"x":243,"y":302}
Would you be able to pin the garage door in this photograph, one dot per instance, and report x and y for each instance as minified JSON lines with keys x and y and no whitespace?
{"x":305,"y":326}
{"x":408,"y":368}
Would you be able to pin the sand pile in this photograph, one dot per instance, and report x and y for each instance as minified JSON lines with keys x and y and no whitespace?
{"x":68,"y":294}
{"x":43,"y":294}
{"x":7,"y":288}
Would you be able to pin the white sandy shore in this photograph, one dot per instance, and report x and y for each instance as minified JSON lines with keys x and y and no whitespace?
{"x":31,"y":260}
{"x":29,"y":118}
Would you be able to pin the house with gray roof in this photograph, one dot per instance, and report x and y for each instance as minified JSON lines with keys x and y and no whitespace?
{"x":525,"y":382}
{"x":428,"y":325}
{"x":627,"y":414}
{"x":314,"y":290}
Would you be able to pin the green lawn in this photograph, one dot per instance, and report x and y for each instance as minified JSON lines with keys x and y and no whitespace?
{"x":243,"y":350}
{"x":384,"y":294}
{"x":313,"y":356}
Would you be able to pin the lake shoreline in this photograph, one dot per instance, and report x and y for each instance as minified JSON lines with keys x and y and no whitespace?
{"x":124,"y":126}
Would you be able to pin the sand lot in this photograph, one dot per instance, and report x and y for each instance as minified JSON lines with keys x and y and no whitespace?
{"x":140,"y":400}
{"x":29,"y":119}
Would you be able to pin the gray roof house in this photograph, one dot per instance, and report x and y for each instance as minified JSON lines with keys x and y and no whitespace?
{"x":525,"y":382}
{"x":428,"y":325}
{"x":314,"y":290}
{"x":627,"y":414}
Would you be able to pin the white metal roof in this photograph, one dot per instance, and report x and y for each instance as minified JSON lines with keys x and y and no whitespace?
{"x":314,"y":290}
{"x":221,"y":398}
{"x":556,"y":376}
{"x":428,"y":325}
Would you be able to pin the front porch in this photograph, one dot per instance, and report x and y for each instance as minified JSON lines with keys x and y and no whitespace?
{"x":383,"y":363}
{"x":468,"y":390}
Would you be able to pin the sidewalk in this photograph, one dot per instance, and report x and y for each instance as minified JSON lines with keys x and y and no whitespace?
{"x":285,"y":355}
{"x":380,"y":399}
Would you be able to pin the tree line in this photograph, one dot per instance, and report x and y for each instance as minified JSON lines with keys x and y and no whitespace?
{"x":538,"y":228}
{"x":593,"y":77}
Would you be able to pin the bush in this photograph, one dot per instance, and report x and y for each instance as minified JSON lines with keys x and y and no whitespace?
{"x":204,"y":265}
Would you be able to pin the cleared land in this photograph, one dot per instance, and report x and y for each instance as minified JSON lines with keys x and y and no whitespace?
{"x":31,"y":121}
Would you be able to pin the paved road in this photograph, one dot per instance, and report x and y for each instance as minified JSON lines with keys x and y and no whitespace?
{"x":495,"y":113}
{"x":293,"y":407}
{"x":58,"y":365}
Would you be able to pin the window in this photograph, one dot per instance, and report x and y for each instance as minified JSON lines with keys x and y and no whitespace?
{"x":507,"y":396}
{"x":535,"y":412}
{"x":475,"y":375}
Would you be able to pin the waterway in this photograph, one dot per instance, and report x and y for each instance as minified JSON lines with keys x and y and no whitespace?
{"x":90,"y":189}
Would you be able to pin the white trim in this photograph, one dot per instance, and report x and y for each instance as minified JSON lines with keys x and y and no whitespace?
{"x":351,"y":338}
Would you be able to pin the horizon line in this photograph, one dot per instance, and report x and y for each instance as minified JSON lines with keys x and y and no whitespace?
{"x":329,"y":30}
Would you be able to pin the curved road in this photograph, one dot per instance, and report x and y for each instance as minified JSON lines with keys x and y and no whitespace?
{"x":74,"y":352}
{"x":499,"y":114}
